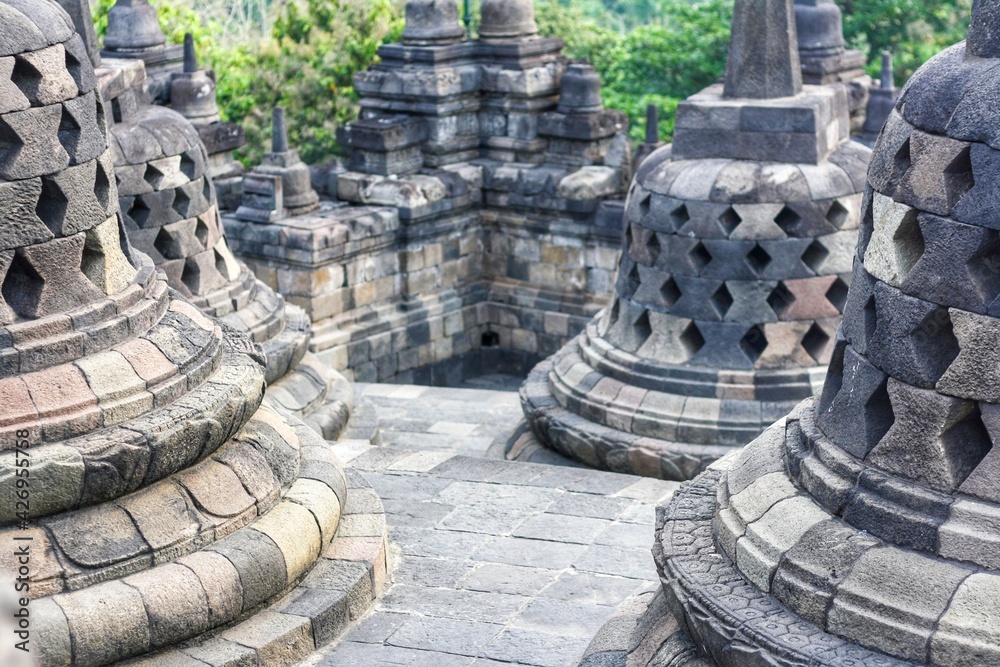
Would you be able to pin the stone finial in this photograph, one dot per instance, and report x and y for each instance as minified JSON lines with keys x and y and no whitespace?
{"x":652,"y":124}
{"x":507,"y":20}
{"x":820,"y":26}
{"x":279,"y":131}
{"x":763,"y":60}
{"x":79,"y":11}
{"x":133,"y":24}
{"x":432,"y":23}
{"x":580,"y":91}
{"x":880,"y":104}
{"x":190,"y":57}
{"x":984,"y":29}
{"x":192,"y":91}
{"x":888,"y":81}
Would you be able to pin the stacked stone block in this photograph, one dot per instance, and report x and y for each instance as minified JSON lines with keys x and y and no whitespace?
{"x":419,"y":104}
{"x":433,"y":248}
{"x":735,"y":267}
{"x":291,"y":191}
{"x":860,"y":526}
{"x":824,"y":58}
{"x":165,"y":501}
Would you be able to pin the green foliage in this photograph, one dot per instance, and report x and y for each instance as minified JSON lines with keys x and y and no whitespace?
{"x":646,"y":51}
{"x":661,"y":63}
{"x":307,"y":65}
{"x":913,"y":30}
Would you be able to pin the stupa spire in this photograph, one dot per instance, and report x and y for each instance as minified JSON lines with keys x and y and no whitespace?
{"x":763,"y":52}
{"x":984,"y":29}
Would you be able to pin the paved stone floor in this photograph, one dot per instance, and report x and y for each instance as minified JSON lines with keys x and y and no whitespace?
{"x":498,"y":562}
{"x":464,"y":421}
{"x":494,"y":562}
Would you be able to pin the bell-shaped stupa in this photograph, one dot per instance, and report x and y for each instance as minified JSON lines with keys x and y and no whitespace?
{"x":861,"y":528}
{"x":162,"y":500}
{"x":134,"y":33}
{"x":736,"y":262}
{"x":171,"y":213}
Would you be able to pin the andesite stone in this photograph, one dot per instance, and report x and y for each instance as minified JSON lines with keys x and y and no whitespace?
{"x":432,"y":22}
{"x":150,"y":442}
{"x":881,"y":104}
{"x":507,"y":20}
{"x":862,"y":525}
{"x":134,"y":33}
{"x":825,"y":58}
{"x":735,"y":265}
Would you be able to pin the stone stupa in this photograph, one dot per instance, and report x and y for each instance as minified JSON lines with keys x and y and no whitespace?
{"x":825,"y":57}
{"x":134,"y":33}
{"x":193,"y":95}
{"x":881,"y":104}
{"x":735,"y":268}
{"x":165,"y":500}
{"x":862,"y":529}
{"x":170,"y":210}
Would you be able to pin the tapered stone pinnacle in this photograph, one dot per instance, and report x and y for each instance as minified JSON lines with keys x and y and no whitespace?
{"x":79,"y":11}
{"x":763,"y":52}
{"x":888,"y":81}
{"x":984,"y":29}
{"x":652,"y":124}
{"x":190,"y":57}
{"x":279,"y":132}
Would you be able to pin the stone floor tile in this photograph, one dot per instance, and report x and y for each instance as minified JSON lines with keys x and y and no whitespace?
{"x":376,"y":627}
{"x":452,"y":428}
{"x":648,"y":490}
{"x":376,"y":655}
{"x":436,"y":543}
{"x":563,"y":617}
{"x":633,"y":535}
{"x":561,"y":528}
{"x":448,"y":603}
{"x":533,"y":553}
{"x":445,"y":635}
{"x":590,"y":588}
{"x":589,"y":505}
{"x":434,"y":572}
{"x":415,"y":514}
{"x":621,"y":561}
{"x":483,"y":519}
{"x":528,"y":647}
{"x":513,"y":579}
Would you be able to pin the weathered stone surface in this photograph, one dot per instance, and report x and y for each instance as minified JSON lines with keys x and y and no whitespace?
{"x":892,"y":465}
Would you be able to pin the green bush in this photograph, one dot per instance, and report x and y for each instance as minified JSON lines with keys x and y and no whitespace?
{"x":646,"y":51}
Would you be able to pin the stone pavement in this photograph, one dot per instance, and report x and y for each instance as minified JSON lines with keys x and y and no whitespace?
{"x":496,"y":562}
{"x":463,"y":421}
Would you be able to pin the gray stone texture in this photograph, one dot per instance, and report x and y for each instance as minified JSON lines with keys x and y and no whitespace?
{"x":163,"y":491}
{"x":868,"y":538}
{"x":736,"y":262}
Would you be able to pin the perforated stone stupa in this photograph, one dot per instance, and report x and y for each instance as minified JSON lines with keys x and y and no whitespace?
{"x":861,"y":528}
{"x":734,"y":274}
{"x":171,"y":213}
{"x":165,"y":500}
